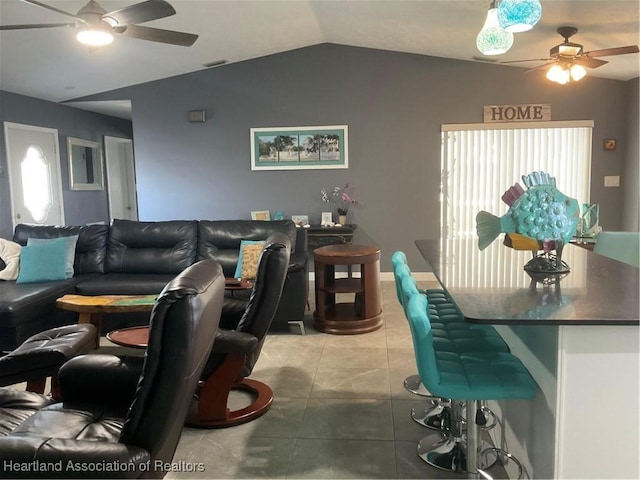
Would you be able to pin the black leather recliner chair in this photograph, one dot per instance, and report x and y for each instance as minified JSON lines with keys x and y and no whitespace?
{"x":120,"y":417}
{"x":236,"y":351}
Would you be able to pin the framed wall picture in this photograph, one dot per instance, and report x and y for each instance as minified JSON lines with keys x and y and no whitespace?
{"x":609,"y":144}
{"x":261,"y":215}
{"x":296,"y":148}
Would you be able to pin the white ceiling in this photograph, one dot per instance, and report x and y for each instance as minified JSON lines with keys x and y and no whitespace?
{"x":50,"y":64}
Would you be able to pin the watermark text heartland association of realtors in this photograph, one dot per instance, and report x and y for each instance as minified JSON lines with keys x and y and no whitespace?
{"x":101,"y":466}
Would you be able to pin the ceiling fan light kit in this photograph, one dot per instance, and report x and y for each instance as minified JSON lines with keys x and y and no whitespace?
{"x":561,"y":73}
{"x":93,"y":30}
{"x":577,"y":72}
{"x":96,"y":27}
{"x":94,"y":37}
{"x":492,"y":39}
{"x":568,"y":60}
{"x":519,"y":15}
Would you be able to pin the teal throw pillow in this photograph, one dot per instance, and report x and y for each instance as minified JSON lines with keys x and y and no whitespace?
{"x":43,"y":262}
{"x":70,"y":254}
{"x":248,"y":257}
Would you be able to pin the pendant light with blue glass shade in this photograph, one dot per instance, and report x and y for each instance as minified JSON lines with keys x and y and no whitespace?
{"x":519,"y":15}
{"x":492,"y":39}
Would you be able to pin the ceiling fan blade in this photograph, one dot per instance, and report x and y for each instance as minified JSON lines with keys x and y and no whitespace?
{"x":36,"y":25}
{"x":140,"y":13}
{"x":539,"y":67}
{"x":587,"y":61}
{"x":528,"y":60}
{"x":49,"y":7}
{"x":607,"y":52}
{"x":158,"y":35}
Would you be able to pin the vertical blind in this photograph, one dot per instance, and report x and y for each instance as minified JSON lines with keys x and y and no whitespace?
{"x":480,"y":162}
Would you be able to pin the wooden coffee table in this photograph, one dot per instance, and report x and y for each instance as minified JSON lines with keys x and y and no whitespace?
{"x":91,"y":308}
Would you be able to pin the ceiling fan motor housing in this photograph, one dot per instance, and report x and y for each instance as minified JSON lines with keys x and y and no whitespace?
{"x":566,"y":49}
{"x":91,"y":14}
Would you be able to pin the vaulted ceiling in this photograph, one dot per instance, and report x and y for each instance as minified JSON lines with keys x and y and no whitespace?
{"x":50,"y":64}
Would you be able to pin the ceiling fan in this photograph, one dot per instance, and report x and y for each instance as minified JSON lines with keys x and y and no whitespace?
{"x":568,"y":59}
{"x":96,"y":27}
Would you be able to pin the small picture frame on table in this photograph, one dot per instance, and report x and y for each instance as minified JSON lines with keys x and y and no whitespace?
{"x":327,"y":219}
{"x":300,"y":220}
{"x":261,"y":215}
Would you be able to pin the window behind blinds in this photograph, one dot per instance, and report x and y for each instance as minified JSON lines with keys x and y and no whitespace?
{"x":480,"y":162}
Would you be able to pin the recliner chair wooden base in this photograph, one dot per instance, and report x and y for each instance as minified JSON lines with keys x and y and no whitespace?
{"x":213,"y":396}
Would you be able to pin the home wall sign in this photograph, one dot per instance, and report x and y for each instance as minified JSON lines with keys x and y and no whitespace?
{"x":534,"y":112}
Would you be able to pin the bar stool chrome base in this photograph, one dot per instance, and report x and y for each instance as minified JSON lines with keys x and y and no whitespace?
{"x":449,"y":453}
{"x":432,"y":414}
{"x":436,"y":417}
{"x":414,"y":385}
{"x":506,"y":458}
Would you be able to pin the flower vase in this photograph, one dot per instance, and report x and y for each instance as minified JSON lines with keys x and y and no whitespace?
{"x":342,"y":219}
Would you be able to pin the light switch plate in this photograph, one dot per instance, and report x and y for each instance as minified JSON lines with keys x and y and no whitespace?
{"x":612,"y":181}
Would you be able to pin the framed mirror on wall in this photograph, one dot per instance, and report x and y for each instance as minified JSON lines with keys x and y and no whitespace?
{"x":85,"y":164}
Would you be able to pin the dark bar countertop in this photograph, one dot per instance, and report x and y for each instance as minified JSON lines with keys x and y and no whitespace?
{"x":492,"y":287}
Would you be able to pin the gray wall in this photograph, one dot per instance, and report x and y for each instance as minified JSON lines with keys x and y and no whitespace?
{"x":631,"y":172}
{"x":394,"y":104}
{"x":79,"y":206}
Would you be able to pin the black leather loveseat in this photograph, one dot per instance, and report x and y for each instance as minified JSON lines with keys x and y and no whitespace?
{"x":130,"y":257}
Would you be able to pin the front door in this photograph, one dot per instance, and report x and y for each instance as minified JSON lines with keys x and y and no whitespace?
{"x":33,"y":161}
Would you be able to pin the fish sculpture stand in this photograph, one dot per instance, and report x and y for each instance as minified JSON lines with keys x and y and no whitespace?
{"x":540,"y":218}
{"x":539,"y":303}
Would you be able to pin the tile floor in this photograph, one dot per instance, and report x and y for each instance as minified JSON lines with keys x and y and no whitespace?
{"x":340,"y":411}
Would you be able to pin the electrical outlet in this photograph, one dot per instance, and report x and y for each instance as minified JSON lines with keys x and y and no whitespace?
{"x":612,"y":181}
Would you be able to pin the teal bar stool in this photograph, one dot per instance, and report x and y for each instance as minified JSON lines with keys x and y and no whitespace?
{"x":401,"y":268}
{"x":451,"y":334}
{"x":466,"y":377}
{"x":621,"y":246}
{"x":412,"y":383}
{"x":452,"y":331}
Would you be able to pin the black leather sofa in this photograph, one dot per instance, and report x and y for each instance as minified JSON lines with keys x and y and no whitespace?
{"x":130,"y":257}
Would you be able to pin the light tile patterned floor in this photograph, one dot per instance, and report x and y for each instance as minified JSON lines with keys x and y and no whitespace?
{"x":340,"y":410}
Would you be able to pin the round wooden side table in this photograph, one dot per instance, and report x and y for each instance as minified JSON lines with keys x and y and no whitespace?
{"x":362,"y":315}
{"x":133,"y":337}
